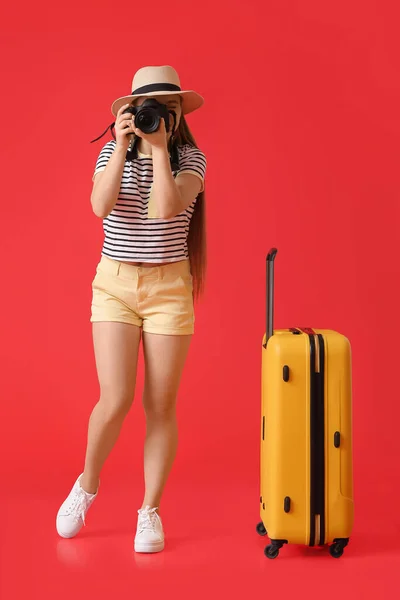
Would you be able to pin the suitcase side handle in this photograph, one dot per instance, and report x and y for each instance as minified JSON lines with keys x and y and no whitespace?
{"x":270,"y":293}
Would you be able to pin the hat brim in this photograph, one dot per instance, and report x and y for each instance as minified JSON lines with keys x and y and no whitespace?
{"x":191,"y":101}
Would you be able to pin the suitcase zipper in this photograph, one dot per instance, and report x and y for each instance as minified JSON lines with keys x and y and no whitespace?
{"x":312,"y":440}
{"x":317,"y":438}
{"x":317,"y":514}
{"x":320,"y":492}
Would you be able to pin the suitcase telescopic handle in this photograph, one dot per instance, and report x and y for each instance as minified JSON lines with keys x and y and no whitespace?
{"x":270,"y":293}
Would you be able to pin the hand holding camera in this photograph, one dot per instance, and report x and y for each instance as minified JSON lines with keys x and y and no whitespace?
{"x":150,"y":121}
{"x":123,"y":127}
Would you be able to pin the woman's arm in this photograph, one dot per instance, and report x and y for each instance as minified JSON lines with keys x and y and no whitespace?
{"x":107,"y":184}
{"x":171,"y":196}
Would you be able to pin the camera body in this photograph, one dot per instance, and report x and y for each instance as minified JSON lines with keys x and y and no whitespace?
{"x":148,"y":116}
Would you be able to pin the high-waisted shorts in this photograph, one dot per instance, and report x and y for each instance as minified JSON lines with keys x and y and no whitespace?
{"x":157,"y":299}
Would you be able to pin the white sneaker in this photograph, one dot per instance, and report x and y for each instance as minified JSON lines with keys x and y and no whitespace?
{"x":71,"y":516}
{"x":149,"y":534}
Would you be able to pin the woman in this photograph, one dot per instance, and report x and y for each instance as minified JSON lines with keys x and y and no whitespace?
{"x":151,"y":268}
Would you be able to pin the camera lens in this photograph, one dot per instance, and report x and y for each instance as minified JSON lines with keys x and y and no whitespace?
{"x":147,"y":120}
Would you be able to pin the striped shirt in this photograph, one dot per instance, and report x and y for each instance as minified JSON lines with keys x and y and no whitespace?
{"x":133,"y":233}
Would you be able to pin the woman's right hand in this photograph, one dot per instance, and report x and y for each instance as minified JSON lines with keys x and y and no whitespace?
{"x":123,"y":127}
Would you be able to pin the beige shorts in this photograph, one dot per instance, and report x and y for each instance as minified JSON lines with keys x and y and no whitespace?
{"x":158,"y":299}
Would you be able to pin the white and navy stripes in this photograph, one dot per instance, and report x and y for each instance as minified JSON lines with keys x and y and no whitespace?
{"x":131,"y":234}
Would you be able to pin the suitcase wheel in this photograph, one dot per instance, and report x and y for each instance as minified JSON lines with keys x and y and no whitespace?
{"x":271,"y":551}
{"x":261,"y":529}
{"x":336,"y":551}
{"x":337,"y":548}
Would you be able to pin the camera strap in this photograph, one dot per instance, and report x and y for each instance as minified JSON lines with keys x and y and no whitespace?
{"x":173,"y":147}
{"x":173,"y":113}
{"x":111,"y":128}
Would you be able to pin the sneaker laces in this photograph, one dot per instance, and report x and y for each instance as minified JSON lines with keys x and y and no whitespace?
{"x":79,"y":505}
{"x":147,"y":519}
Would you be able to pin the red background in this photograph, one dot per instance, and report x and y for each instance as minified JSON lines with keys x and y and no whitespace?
{"x":301,"y":129}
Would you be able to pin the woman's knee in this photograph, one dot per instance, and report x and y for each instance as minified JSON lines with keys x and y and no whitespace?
{"x":115,"y":405}
{"x":160,"y":410}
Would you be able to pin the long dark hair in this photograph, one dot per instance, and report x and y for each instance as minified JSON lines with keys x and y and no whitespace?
{"x":197,"y":231}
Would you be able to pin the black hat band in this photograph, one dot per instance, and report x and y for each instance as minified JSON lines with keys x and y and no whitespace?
{"x":156,"y":87}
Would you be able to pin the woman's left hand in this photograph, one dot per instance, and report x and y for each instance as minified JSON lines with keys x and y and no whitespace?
{"x":158,"y":139}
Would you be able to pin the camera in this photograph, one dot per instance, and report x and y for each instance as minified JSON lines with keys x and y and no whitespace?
{"x":148,"y":116}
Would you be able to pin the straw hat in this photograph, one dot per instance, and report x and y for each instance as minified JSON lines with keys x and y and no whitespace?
{"x":159,"y":81}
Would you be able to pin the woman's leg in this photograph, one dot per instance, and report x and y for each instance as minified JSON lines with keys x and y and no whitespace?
{"x":116,"y":347}
{"x":165,"y":357}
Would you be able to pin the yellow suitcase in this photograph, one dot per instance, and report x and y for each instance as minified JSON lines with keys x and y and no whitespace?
{"x":306,"y":436}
